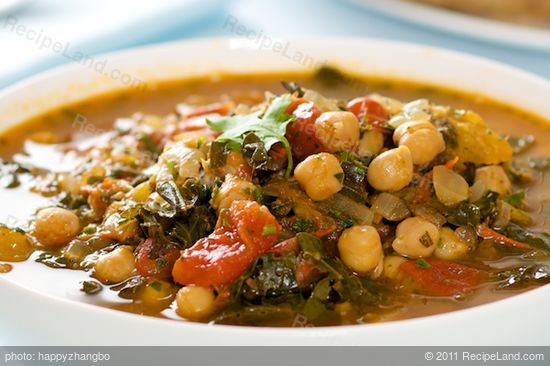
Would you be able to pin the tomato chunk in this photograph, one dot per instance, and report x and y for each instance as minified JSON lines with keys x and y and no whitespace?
{"x":155,"y":260}
{"x":442,"y":278}
{"x":301,"y":133}
{"x":248,"y":231}
{"x":369,"y":110}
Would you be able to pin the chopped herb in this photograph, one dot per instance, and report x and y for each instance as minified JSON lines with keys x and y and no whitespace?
{"x":303,"y":225}
{"x":270,"y":127}
{"x":347,"y":222}
{"x":339,"y":176}
{"x":269,"y":229}
{"x":515,"y":199}
{"x":160,"y":263}
{"x":171,"y":165}
{"x":426,"y":240}
{"x":156,"y":285}
{"x":423,"y":264}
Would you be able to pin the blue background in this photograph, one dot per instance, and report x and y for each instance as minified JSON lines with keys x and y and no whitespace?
{"x":131,"y":23}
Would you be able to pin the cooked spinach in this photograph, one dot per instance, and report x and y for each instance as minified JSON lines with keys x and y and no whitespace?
{"x":198,"y":223}
{"x":355,"y":180}
{"x":257,"y":156}
{"x":90,"y":287}
{"x":538,"y":239}
{"x":468,"y":213}
{"x":524,"y":275}
{"x":272,"y":277}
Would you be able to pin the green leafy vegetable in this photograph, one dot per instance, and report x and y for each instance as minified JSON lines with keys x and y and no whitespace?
{"x":515,"y":199}
{"x":270,"y":127}
{"x":524,"y":275}
{"x":275,"y":276}
{"x":423,"y":264}
{"x":90,"y":287}
{"x":303,"y":225}
{"x":538,"y":239}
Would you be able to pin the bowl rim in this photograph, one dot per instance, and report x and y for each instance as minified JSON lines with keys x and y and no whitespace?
{"x":334,"y":334}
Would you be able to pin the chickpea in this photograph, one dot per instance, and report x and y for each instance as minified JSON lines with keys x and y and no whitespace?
{"x":422,"y":138}
{"x":338,"y":131}
{"x":14,"y":245}
{"x":320,"y":175}
{"x":232,"y":189}
{"x":156,"y":294}
{"x":195,"y":302}
{"x":391,"y":266}
{"x":371,"y":143}
{"x":392,"y":170}
{"x":360,"y":248}
{"x":116,"y":266}
{"x":415,"y":238}
{"x":494,"y":178}
{"x":450,"y":246}
{"x":55,"y":226}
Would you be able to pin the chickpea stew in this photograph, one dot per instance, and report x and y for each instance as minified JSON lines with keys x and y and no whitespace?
{"x":329,"y":199}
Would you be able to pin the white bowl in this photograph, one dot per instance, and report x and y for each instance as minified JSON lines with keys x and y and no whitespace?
{"x":34,"y":310}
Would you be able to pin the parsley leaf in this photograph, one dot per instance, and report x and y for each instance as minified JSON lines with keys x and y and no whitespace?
{"x":270,"y":127}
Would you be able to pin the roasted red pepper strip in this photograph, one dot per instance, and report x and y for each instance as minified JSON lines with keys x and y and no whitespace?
{"x":442,"y":278}
{"x":489,"y":234}
{"x":248,"y":231}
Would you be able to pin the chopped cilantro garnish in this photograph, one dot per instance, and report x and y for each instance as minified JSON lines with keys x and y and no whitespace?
{"x":515,"y":199}
{"x":270,"y":127}
{"x":160,"y":263}
{"x":171,"y":165}
{"x":156,"y":285}
{"x":269,"y":229}
{"x":339,"y":176}
{"x":423,"y":264}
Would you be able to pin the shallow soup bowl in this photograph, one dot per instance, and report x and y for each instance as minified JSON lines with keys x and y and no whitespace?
{"x":39,"y":307}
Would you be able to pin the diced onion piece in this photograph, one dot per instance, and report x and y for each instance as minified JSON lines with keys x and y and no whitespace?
{"x":390,"y":207}
{"x":450,"y":187}
{"x":321,"y":102}
{"x":477,"y":191}
{"x":504,"y":214}
{"x":348,"y":207}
